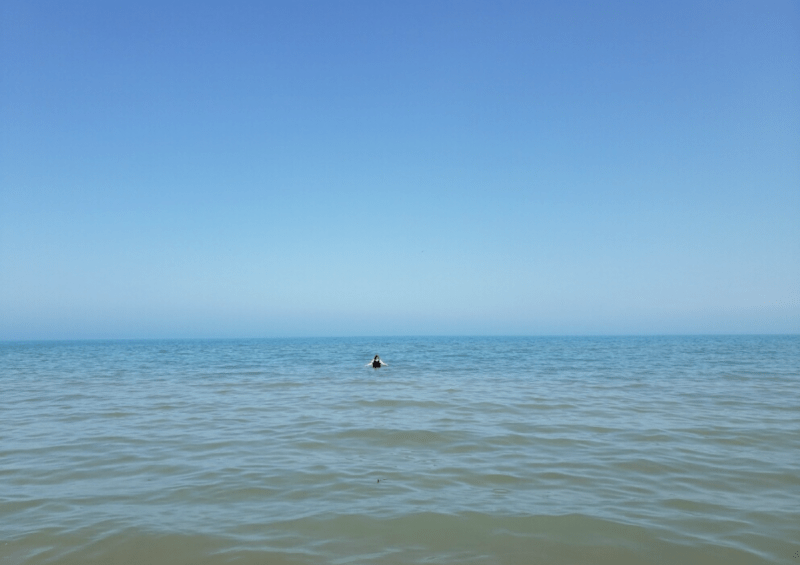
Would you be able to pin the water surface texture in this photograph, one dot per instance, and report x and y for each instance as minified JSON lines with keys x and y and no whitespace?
{"x":462,"y":450}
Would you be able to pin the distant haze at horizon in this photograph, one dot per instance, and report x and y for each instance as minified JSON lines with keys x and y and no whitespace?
{"x":299,"y":169}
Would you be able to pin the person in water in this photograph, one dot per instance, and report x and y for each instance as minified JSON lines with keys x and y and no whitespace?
{"x":376,"y":363}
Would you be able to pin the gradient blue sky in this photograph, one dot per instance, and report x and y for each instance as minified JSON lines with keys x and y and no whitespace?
{"x":257,"y":169}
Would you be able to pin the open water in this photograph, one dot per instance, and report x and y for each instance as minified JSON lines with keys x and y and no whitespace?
{"x":673,"y":450}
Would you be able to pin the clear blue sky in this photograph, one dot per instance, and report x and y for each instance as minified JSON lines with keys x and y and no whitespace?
{"x":257,"y":169}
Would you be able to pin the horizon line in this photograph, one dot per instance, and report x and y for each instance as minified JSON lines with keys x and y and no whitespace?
{"x":397,"y":336}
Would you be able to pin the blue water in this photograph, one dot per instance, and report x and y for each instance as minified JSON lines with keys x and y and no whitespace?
{"x":461,"y":450}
